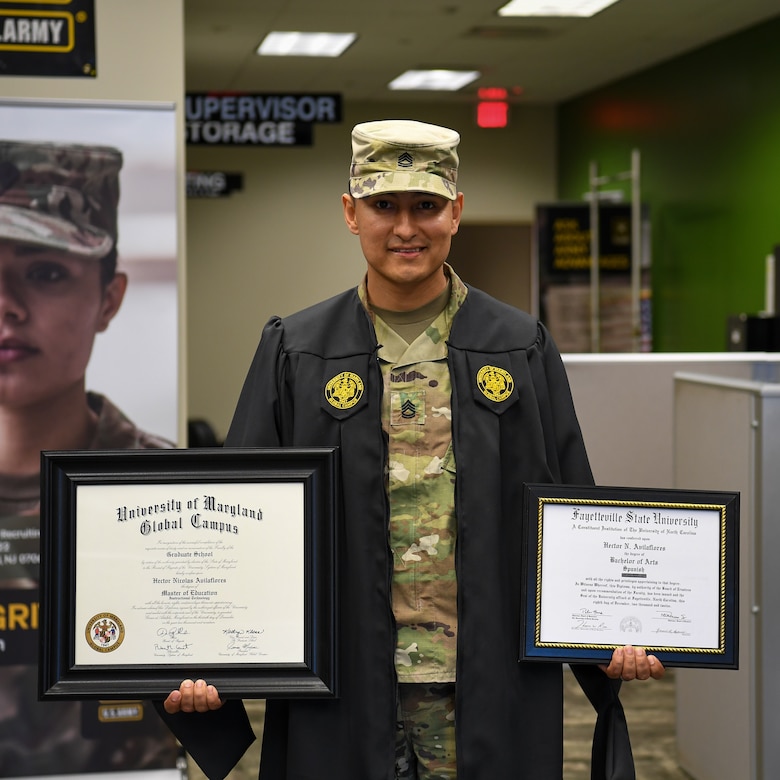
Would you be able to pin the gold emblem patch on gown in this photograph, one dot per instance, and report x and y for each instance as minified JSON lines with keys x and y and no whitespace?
{"x":344,"y":390}
{"x":495,"y":383}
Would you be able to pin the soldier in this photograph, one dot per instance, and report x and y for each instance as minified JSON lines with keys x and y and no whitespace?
{"x":59,"y":287}
{"x":455,"y":400}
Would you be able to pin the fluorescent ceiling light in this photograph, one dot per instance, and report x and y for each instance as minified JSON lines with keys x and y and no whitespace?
{"x":442,"y":80}
{"x":300,"y":44}
{"x":554,"y":7}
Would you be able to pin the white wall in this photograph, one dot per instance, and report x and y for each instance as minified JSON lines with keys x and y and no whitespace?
{"x":281,"y":244}
{"x":625,"y":405}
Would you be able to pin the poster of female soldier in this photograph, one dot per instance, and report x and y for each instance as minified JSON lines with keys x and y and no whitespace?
{"x":88,"y":360}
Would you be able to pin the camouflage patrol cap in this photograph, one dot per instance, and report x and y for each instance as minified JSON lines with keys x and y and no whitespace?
{"x":60,"y":196}
{"x":397,"y":155}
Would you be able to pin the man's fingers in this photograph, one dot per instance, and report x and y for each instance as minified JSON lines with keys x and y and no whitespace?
{"x":187,"y":690}
{"x":633,"y":663}
{"x":628,"y":672}
{"x":657,"y":669}
{"x":172,"y":704}
{"x":193,"y":696}
{"x":206,"y":697}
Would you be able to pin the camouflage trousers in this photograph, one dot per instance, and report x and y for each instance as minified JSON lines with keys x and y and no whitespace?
{"x":425,"y":732}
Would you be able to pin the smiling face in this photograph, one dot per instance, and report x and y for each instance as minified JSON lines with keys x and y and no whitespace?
{"x":52,"y":305}
{"x":405,"y":237}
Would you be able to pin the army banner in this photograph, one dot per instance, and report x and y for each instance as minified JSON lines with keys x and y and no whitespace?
{"x":47,"y":38}
{"x":89,"y":262}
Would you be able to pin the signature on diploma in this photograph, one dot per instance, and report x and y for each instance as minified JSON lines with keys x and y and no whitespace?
{"x":672,"y":617}
{"x":672,"y":631}
{"x":588,"y":620}
{"x":172,"y":641}
{"x":670,"y":621}
{"x":242,"y":641}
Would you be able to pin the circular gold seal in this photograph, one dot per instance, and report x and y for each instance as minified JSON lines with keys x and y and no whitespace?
{"x":105,"y":632}
{"x":495,"y":383}
{"x":344,"y":390}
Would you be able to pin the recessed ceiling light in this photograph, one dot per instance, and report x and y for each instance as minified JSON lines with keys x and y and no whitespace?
{"x":304,"y":44}
{"x":442,"y":80}
{"x":554,"y":7}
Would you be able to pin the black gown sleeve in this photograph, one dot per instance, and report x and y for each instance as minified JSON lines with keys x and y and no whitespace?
{"x":216,"y":740}
{"x":611,"y":755}
{"x":258,"y":420}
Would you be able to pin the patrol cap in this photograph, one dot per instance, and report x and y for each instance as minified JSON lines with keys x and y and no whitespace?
{"x":396,"y":155}
{"x":60,"y":196}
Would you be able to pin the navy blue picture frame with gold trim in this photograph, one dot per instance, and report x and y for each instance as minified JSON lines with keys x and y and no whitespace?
{"x":610,"y":566}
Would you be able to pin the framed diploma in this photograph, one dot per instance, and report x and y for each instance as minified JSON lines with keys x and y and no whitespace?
{"x":163,"y":565}
{"x":607,"y":567}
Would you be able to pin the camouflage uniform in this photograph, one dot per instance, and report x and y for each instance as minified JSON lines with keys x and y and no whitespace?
{"x":425,"y":745}
{"x":416,"y":416}
{"x":421,"y":489}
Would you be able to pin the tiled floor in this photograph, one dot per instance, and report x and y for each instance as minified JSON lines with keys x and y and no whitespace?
{"x":649,"y":707}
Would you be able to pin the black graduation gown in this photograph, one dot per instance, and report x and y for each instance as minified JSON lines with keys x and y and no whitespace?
{"x":509,"y":714}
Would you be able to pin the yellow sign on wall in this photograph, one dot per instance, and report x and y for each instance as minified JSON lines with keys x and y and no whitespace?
{"x":47,"y":38}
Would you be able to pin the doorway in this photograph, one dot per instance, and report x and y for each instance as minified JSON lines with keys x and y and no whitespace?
{"x":496,"y":259}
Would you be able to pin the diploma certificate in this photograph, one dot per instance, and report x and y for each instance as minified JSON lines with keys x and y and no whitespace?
{"x":172,"y":564}
{"x":608,"y":567}
{"x":198,"y":569}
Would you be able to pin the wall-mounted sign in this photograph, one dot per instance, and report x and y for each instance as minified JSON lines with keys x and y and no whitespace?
{"x":213,"y":184}
{"x":562,"y":233}
{"x":243,"y":119}
{"x":47,"y":38}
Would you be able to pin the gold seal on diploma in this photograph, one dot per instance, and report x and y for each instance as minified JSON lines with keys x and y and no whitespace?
{"x":105,"y":632}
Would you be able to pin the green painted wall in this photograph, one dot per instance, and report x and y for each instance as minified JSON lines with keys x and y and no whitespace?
{"x":707,"y":126}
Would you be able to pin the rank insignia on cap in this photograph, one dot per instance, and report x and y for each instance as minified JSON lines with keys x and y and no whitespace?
{"x":405,"y":160}
{"x":495,"y":383}
{"x":344,"y":390}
